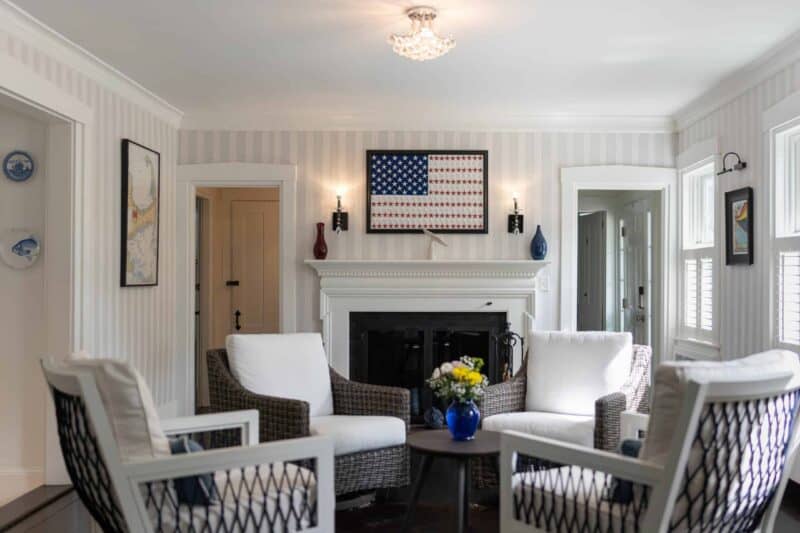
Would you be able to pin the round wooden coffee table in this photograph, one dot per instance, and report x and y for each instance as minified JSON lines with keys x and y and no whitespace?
{"x":439,"y":443}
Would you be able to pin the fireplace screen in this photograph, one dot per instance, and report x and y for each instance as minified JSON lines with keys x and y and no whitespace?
{"x":402,"y":349}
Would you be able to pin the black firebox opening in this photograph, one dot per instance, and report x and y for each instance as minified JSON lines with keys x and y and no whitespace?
{"x":402,"y":349}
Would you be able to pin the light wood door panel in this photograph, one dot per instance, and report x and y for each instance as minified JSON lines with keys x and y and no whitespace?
{"x":254,"y":264}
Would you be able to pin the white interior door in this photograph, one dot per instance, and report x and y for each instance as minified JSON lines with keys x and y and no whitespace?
{"x":636,"y":271}
{"x":592,"y":271}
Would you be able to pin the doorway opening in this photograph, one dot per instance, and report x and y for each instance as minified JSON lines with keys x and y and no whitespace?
{"x":237,"y":269}
{"x":618,"y":262}
{"x":35,"y":235}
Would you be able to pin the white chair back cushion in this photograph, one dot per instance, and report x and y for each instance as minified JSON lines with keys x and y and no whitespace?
{"x":285,"y":366}
{"x":568,"y":372}
{"x":129,"y":406}
{"x":669,"y":391}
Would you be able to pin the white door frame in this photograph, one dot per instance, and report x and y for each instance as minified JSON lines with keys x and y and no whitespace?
{"x":192,"y":176}
{"x":620,"y":177}
{"x":68,"y":300}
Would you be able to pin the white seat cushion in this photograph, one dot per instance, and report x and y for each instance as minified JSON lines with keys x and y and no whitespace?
{"x":570,"y":495}
{"x":568,"y":428}
{"x":568,"y":372}
{"x":285,"y":366}
{"x":129,"y":405}
{"x":353,"y":434}
{"x":671,"y":380}
{"x":242,"y":502}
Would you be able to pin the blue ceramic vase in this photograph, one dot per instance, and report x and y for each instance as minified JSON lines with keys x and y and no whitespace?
{"x":462,"y":419}
{"x":538,"y":245}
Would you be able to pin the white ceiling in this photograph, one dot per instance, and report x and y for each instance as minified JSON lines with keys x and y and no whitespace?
{"x":318,"y":63}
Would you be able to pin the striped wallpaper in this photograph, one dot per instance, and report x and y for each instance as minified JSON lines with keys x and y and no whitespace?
{"x":526,"y":163}
{"x":132,"y":323}
{"x":744,"y":294}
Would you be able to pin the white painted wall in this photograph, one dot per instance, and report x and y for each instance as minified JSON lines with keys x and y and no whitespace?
{"x":523,"y":162}
{"x":133,"y":323}
{"x":22,"y":317}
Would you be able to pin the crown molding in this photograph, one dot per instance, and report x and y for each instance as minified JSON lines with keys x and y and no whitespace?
{"x":20,"y":23}
{"x":732,"y":86}
{"x":400,"y":121}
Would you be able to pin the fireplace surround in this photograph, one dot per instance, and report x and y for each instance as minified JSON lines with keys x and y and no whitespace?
{"x":506,"y":287}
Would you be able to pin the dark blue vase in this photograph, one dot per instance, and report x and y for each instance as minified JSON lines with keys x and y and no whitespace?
{"x":462,"y":419}
{"x":538,"y":245}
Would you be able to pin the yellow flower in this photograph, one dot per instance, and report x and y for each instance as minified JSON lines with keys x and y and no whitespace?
{"x":460,"y":373}
{"x":474,"y":378}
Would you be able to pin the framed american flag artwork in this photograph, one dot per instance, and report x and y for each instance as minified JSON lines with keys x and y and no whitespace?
{"x":444,"y":191}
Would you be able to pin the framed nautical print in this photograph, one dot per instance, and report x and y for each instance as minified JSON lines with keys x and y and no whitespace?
{"x":141,"y":180}
{"x":444,"y":191}
{"x":739,"y":227}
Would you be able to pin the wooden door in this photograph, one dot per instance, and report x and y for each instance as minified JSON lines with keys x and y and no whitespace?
{"x":246,"y":220}
{"x":254,"y":265}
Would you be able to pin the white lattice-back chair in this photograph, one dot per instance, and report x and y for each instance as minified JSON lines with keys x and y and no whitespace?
{"x":720,"y":444}
{"x":280,"y":486}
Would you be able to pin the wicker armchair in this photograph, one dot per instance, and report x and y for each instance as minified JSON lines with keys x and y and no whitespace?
{"x":282,"y":418}
{"x":509,"y":397}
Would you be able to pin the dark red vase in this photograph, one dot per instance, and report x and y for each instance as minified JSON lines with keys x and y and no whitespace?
{"x":320,"y":248}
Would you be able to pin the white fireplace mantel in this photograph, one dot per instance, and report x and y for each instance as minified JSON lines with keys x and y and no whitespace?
{"x":364,"y":285}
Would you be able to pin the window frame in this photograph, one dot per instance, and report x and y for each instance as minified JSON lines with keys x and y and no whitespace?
{"x":784,"y":234}
{"x":698,"y":252}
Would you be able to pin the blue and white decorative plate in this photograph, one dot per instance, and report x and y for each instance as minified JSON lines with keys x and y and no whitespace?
{"x":18,"y":166}
{"x":19,"y":248}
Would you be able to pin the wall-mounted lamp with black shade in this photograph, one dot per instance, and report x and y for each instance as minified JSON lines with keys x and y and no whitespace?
{"x":339,"y":223}
{"x":739,"y":165}
{"x":515,"y":222}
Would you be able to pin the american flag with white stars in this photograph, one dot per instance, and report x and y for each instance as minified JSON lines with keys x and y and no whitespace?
{"x":433,"y":191}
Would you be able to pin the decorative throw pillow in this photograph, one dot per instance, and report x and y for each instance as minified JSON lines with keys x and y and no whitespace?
{"x":192,"y":490}
{"x":622,"y":491}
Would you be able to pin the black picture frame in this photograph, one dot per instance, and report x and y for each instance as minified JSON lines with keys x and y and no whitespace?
{"x":484,"y":153}
{"x":125,"y":147}
{"x":735,"y":253}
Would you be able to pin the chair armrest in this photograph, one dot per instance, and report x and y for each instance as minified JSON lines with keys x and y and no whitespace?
{"x":633,"y":425}
{"x":247,"y":421}
{"x":195,"y":463}
{"x":354,"y":398}
{"x":278,"y":418}
{"x":249,"y":485}
{"x":607,"y":413}
{"x":565,"y":453}
{"x":506,"y":397}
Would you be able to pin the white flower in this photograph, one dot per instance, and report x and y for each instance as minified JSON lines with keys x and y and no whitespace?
{"x":436,"y":373}
{"x":446,"y":368}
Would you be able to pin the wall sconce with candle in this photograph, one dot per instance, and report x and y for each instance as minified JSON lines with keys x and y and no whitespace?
{"x":339,"y":223}
{"x":515,"y":219}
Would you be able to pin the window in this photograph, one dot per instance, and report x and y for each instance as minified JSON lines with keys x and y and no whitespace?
{"x":697,"y":252}
{"x":786,"y":167}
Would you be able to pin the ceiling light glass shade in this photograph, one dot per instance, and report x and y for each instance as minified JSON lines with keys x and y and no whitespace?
{"x":422,"y":42}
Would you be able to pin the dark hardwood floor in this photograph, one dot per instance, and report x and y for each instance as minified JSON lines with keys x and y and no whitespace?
{"x":57,"y":510}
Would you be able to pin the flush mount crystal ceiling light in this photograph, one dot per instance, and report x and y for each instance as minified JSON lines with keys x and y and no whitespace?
{"x":422,"y":42}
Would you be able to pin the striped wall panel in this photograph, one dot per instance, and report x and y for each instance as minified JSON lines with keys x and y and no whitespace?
{"x":133,"y":323}
{"x":745,"y":291}
{"x":527,"y":163}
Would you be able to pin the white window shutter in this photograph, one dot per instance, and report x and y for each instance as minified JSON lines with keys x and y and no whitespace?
{"x":690,"y":293}
{"x":789,"y":297}
{"x":706,"y":294}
